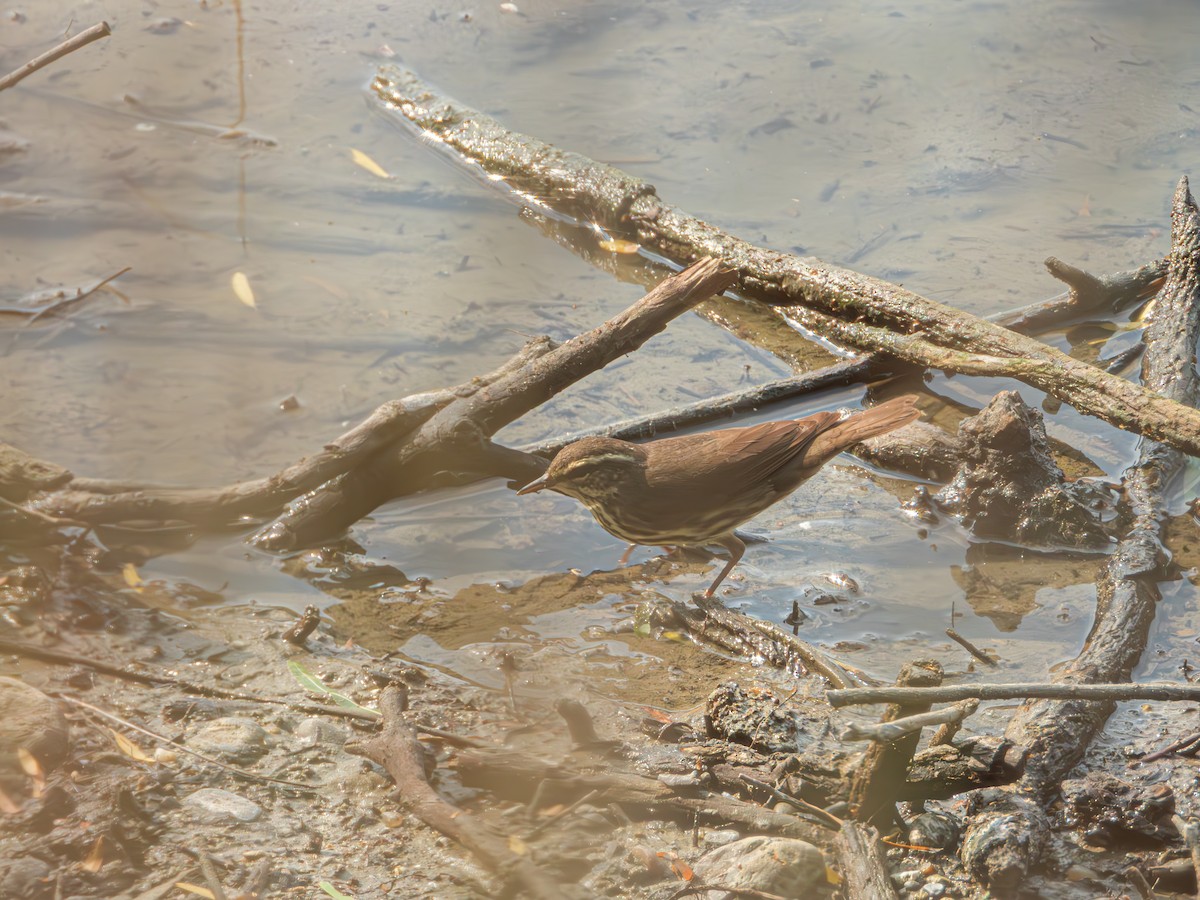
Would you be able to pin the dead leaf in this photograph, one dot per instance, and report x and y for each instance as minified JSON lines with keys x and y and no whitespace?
{"x":615,"y":245}
{"x":369,"y":164}
{"x":32,"y":767}
{"x":132,"y":578}
{"x":129,"y":748}
{"x":95,"y":858}
{"x":242,"y":289}
{"x":8,"y":805}
{"x":195,"y":889}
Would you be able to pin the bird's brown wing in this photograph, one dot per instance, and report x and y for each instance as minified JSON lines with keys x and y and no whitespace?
{"x":735,"y":462}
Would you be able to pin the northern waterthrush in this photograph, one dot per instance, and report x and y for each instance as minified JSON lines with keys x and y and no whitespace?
{"x":696,"y":489}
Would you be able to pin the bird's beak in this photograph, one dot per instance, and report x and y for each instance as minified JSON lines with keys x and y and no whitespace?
{"x":534,"y":486}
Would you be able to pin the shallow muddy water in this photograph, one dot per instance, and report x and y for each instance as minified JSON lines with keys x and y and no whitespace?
{"x":947,"y":146}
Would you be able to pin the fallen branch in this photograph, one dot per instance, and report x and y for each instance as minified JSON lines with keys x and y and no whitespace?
{"x":458,"y":436}
{"x":1015,"y":691}
{"x":396,"y":749}
{"x":881,"y":732}
{"x":711,"y":621}
{"x":1056,"y":735}
{"x":864,"y":864}
{"x":879,"y":316}
{"x":517,"y":776}
{"x":70,"y":45}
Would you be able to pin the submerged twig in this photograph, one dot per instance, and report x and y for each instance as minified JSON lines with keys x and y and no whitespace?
{"x":70,"y":45}
{"x":80,"y":295}
{"x":970,"y":648}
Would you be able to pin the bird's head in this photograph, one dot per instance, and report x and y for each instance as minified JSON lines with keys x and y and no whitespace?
{"x":590,"y":469}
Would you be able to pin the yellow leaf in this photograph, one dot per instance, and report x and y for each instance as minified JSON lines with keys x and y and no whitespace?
{"x":129,"y":748}
{"x":618,"y":246}
{"x":242,"y":289}
{"x":517,"y":846}
{"x":194,"y":889}
{"x":95,"y":858}
{"x":132,"y":578}
{"x":832,"y":876}
{"x":369,"y":164}
{"x":33,"y":768}
{"x":29,"y":763}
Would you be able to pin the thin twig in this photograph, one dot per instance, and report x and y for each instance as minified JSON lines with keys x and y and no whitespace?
{"x":70,"y":45}
{"x":562,"y":814}
{"x":30,"y":652}
{"x":1186,"y":743}
{"x":80,"y":295}
{"x":210,"y":876}
{"x":898,"y":728}
{"x":826,"y":818}
{"x":970,"y":648}
{"x":1018,"y":691}
{"x":837,"y":374}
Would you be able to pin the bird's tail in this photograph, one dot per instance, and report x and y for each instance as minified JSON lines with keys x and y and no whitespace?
{"x":867,"y":424}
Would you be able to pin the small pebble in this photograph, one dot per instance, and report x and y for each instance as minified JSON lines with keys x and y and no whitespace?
{"x":720,"y":838}
{"x":678,"y":781}
{"x":236,"y":737}
{"x":219,"y":804}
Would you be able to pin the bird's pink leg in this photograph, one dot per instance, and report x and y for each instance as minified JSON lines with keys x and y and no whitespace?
{"x":736,"y":548}
{"x":628,"y":553}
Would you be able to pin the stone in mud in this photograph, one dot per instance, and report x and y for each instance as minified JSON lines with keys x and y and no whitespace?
{"x":1009,"y":487}
{"x":785,"y":867}
{"x":33,"y":722}
{"x":232,"y":737}
{"x":219,"y":805}
{"x":753,"y":717}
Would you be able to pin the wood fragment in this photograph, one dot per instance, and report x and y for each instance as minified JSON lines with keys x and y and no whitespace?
{"x":878,"y":779}
{"x":305,"y":625}
{"x":863,"y":862}
{"x":898,"y":728}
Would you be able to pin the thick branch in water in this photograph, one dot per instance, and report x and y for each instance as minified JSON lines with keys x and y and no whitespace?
{"x":1055,"y":734}
{"x":872,"y":314}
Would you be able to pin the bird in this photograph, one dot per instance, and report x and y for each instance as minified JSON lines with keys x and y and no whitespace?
{"x":695,"y":489}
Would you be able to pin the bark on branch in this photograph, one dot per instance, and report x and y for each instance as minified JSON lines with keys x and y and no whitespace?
{"x":864,"y":312}
{"x":1055,"y":734}
{"x":395,"y":450}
